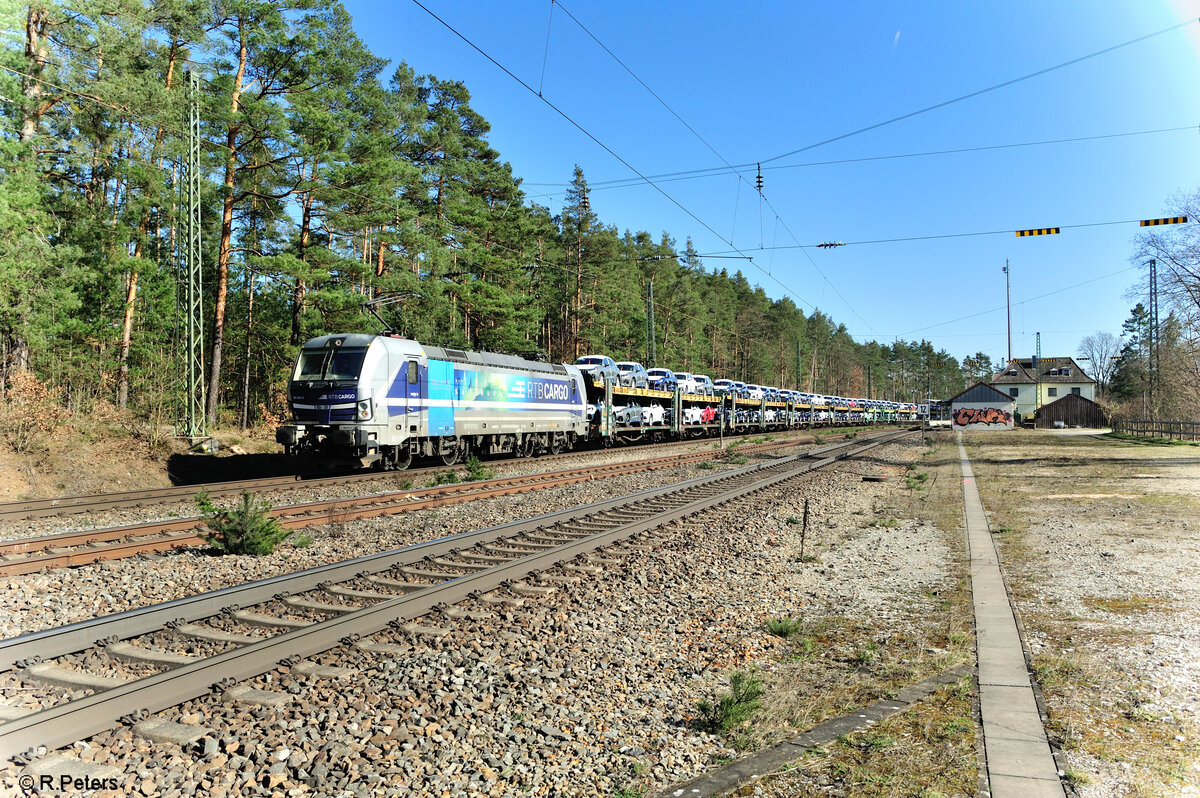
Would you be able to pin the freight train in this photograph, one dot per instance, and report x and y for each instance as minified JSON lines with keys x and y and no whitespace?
{"x":384,"y":400}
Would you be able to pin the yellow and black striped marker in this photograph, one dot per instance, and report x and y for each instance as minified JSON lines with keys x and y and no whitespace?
{"x":1167,"y":220}
{"x":1038,"y":231}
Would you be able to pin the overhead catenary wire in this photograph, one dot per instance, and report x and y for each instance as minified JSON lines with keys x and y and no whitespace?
{"x":1006,"y":232}
{"x":980,"y":92}
{"x":546,"y":52}
{"x":609,"y":150}
{"x":694,"y":174}
{"x":644,"y":85}
{"x":758,"y":187}
{"x":739,"y":254}
{"x":1023,"y":301}
{"x":819,"y":270}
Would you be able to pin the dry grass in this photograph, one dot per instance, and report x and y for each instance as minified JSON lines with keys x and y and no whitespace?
{"x":1127,"y":605}
{"x":833,"y":665}
{"x":928,"y":750}
{"x":1098,"y":710}
{"x":1098,"y":707}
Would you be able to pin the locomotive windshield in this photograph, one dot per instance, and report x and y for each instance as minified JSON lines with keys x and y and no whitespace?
{"x":330,"y":364}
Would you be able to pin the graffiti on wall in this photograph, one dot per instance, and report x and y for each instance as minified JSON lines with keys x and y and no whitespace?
{"x":982,"y":415}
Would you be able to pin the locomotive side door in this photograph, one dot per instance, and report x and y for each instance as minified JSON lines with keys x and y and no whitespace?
{"x":413,"y":392}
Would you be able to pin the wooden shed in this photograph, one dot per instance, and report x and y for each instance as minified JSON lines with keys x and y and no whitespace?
{"x":982,"y":407}
{"x":1072,"y":411}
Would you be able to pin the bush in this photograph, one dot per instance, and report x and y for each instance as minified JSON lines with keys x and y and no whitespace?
{"x":476,"y":470}
{"x":731,"y":709}
{"x":916,"y":481}
{"x":246,"y":529}
{"x":784,"y":627}
{"x":448,"y":478}
{"x":30,"y":415}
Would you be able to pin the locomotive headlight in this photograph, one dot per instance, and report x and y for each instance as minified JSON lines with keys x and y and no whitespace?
{"x":364,"y":409}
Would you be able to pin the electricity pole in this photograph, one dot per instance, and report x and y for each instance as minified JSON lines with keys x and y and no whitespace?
{"x":1037,"y":377}
{"x":1152,"y":360}
{"x":195,"y":420}
{"x":1008,"y":306}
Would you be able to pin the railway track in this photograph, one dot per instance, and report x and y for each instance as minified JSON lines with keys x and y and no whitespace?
{"x":78,"y":505}
{"x":30,"y":555}
{"x":252,"y":628}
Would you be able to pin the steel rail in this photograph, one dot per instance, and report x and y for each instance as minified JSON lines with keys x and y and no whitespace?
{"x":142,"y":537}
{"x":75,"y":720}
{"x":78,"y":636}
{"x":66,"y":505}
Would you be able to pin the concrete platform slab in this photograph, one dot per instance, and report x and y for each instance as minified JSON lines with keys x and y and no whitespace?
{"x":1020,"y":763}
{"x":1017,"y":787}
{"x":1029,"y":759}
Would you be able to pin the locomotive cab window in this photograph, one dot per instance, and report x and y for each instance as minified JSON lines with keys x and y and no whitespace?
{"x":330,"y":364}
{"x":412,"y":372}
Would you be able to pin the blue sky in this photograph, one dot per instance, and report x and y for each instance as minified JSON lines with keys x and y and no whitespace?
{"x":757,"y":80}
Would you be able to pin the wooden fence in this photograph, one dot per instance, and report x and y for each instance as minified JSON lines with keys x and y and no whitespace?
{"x":1172,"y":430}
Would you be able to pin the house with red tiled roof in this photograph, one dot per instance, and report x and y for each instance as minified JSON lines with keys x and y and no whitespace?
{"x":1033,"y":382}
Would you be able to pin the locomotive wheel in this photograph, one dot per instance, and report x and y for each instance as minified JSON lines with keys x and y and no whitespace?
{"x":453,"y":457}
{"x":402,"y":458}
{"x":556,"y":444}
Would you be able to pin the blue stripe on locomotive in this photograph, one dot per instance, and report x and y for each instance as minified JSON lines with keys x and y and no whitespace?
{"x":446,"y":387}
{"x":440,"y":384}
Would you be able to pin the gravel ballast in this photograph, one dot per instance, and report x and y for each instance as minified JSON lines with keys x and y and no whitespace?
{"x":585,"y":691}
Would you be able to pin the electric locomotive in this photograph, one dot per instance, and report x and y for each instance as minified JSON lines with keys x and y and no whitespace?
{"x":383,"y":399}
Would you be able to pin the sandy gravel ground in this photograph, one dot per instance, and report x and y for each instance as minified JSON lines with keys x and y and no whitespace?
{"x":1101,"y":545}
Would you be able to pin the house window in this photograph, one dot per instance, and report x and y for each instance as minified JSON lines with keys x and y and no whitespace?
{"x":1013,"y":391}
{"x":1052,"y":391}
{"x":1075,"y":391}
{"x":1066,"y":372}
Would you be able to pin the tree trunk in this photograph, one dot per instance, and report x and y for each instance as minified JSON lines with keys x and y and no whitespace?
{"x":36,"y":22}
{"x":298,"y":293}
{"x":127,"y":334}
{"x":249,"y":332}
{"x":35,"y":53}
{"x":225,"y":249}
{"x":143,"y":227}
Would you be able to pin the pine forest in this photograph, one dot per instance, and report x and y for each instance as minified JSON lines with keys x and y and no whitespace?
{"x":329,"y":177}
